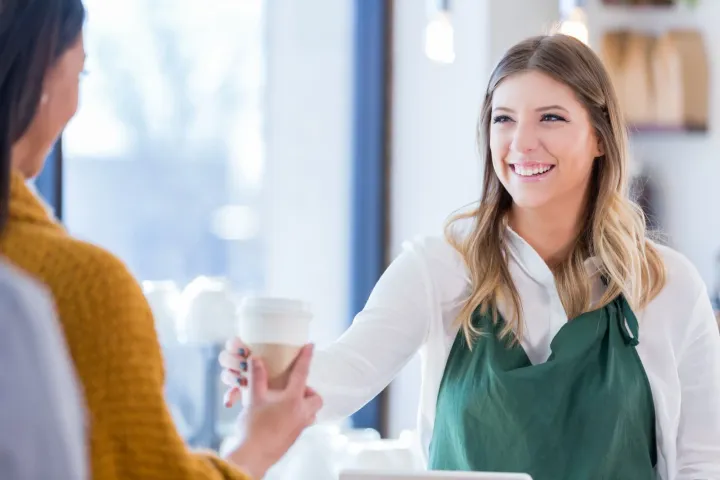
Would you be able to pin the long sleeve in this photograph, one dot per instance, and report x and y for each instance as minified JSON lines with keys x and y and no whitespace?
{"x":42,"y":427}
{"x":133,"y":434}
{"x":698,"y":443}
{"x":111,"y":337}
{"x":382,"y":339}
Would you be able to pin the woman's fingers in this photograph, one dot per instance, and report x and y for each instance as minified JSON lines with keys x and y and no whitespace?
{"x":232,"y":396}
{"x":233,"y":361}
{"x":234,"y":345}
{"x":232,"y":378}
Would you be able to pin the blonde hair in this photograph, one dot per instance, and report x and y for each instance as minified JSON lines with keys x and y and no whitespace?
{"x":614,"y":229}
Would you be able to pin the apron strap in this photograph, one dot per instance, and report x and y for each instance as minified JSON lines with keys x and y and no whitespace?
{"x":628,"y":323}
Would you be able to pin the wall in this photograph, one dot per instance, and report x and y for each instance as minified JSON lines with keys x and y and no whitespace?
{"x":515,"y":20}
{"x":434,"y":165}
{"x":309,"y":95}
{"x":684,"y":166}
{"x":435,"y":168}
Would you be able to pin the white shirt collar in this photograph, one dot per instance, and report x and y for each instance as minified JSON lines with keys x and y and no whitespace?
{"x":532,"y":263}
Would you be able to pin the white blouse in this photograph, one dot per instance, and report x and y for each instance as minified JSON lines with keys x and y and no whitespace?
{"x":414,"y":306}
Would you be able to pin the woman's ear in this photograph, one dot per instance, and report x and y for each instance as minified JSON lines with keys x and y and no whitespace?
{"x":599,"y":148}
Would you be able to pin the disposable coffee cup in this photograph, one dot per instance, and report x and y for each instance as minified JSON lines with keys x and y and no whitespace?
{"x":275,"y":330}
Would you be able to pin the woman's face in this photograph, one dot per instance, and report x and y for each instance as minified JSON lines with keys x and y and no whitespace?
{"x":58,"y":104}
{"x":541,"y":140}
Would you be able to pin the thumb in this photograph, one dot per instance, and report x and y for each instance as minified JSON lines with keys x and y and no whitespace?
{"x":300,"y":370}
{"x":258,"y":380}
{"x":313,"y":402}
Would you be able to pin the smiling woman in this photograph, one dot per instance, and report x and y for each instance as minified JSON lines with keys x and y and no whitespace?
{"x":557,"y":339}
{"x":543,"y":147}
{"x":550,"y":103}
{"x":538,"y":124}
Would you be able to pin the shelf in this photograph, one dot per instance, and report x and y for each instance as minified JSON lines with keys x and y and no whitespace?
{"x":686,"y":10}
{"x":642,"y":18}
{"x":656,"y":129}
{"x":664,"y":5}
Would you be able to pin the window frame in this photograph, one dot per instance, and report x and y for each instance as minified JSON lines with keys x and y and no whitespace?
{"x":372,"y":38}
{"x":370,"y":168}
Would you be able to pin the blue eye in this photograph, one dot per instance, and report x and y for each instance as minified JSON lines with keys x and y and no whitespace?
{"x":501,"y":119}
{"x":551,"y":117}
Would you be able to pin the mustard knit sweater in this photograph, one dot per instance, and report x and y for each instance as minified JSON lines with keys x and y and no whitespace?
{"x":111,"y":335}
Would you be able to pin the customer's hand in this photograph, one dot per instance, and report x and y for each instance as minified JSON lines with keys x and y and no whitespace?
{"x":275,"y":418}
{"x":235,"y":362}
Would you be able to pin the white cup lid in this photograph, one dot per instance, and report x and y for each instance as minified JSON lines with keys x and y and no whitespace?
{"x":276,"y":306}
{"x":274,"y":320}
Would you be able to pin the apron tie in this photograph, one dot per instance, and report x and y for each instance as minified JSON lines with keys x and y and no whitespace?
{"x":628,"y":323}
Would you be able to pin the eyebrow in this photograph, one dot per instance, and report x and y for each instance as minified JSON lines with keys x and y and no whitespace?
{"x":541,"y":109}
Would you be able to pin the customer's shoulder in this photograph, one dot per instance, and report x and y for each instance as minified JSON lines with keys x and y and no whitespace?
{"x":19,"y":292}
{"x":87,"y":259}
{"x":94,"y":289}
{"x":94,"y":274}
{"x":51,"y":254}
{"x":55,"y":258}
{"x":16,"y":282}
{"x":75,"y":270}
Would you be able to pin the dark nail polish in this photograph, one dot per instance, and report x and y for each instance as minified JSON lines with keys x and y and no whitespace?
{"x":242,"y":381}
{"x":242,"y":352}
{"x":243,"y":366}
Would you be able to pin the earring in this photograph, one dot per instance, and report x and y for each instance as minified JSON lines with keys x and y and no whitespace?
{"x":44,"y":99}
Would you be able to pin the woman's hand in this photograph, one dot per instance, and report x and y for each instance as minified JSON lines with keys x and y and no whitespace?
{"x":274,"y":418}
{"x":235,"y":362}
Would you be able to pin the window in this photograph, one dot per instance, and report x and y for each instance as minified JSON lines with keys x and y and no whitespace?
{"x":164,"y":161}
{"x":163,"y":164}
{"x":186,"y":158}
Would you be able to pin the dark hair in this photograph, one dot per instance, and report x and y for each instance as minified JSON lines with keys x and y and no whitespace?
{"x":33,"y":36}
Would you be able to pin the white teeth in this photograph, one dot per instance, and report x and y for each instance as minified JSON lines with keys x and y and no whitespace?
{"x":530,"y":171}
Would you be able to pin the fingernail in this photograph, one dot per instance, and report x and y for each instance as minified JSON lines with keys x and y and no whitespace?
{"x":226,"y":397}
{"x":242,"y":381}
{"x":242,"y":352}
{"x":243,"y":366}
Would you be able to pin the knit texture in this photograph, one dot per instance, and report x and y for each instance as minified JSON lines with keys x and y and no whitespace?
{"x":111,"y":334}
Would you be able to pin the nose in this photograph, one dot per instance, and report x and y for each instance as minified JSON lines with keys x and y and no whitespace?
{"x":525,"y":138}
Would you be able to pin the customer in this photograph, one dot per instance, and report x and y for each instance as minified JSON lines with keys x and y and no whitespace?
{"x":105,"y":318}
{"x":42,"y":423}
{"x":556,"y":338}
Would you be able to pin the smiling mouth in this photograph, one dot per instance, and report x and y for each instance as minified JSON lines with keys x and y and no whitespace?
{"x":531,"y":171}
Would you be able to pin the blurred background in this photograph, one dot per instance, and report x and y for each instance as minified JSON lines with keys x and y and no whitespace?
{"x":289,"y":147}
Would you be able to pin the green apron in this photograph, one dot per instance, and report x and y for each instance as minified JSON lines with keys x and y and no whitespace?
{"x":587,"y":413}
